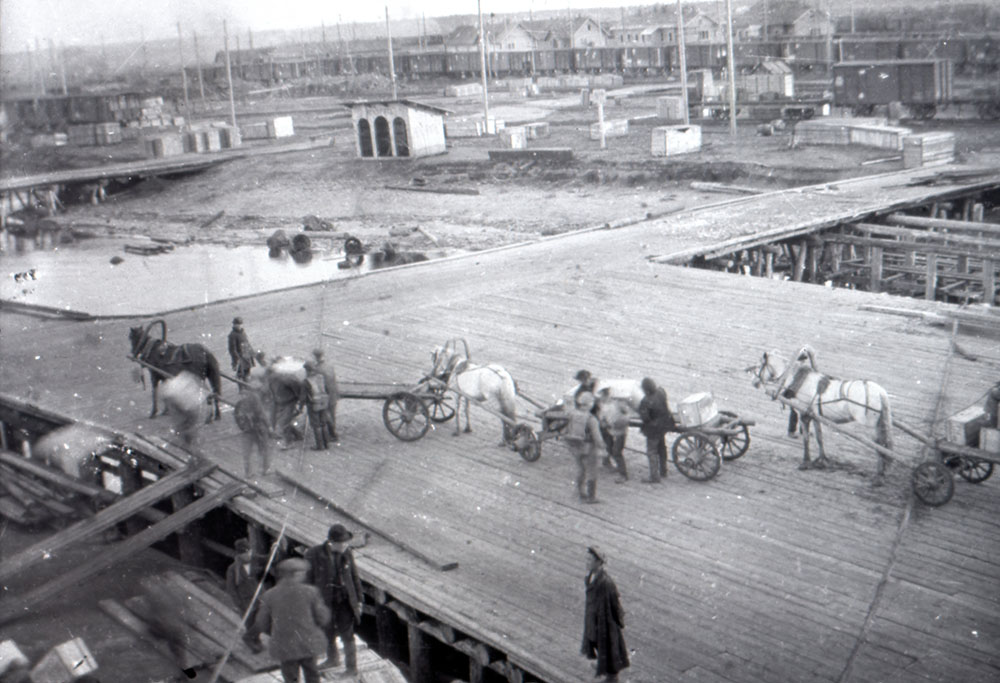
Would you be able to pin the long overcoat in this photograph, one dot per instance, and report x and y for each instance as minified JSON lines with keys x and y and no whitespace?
{"x":337,"y":580}
{"x":604,"y":620}
{"x":294,"y":614}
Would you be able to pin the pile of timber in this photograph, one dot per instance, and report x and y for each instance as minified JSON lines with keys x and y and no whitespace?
{"x":928,"y":149}
{"x":191,"y":622}
{"x":33,"y":494}
{"x":850,"y":132}
{"x":149,"y":249}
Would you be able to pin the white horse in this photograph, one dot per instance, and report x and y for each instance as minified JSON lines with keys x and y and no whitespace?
{"x":840,"y":401}
{"x":480,"y":383}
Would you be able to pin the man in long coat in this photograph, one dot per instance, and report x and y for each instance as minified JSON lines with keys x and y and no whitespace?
{"x":330,"y":376}
{"x":240,"y":351}
{"x":656,"y":422}
{"x":604,"y":621}
{"x":294,"y":614}
{"x":332,"y":571}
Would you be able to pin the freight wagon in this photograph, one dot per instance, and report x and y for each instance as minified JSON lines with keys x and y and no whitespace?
{"x":922,"y":85}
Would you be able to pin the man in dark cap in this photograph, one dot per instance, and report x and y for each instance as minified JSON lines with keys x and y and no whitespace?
{"x":582,"y":434}
{"x":656,"y":422}
{"x":294,"y":614}
{"x":317,"y":405}
{"x":604,"y":620}
{"x":240,"y":351}
{"x":332,"y":571}
{"x":242,"y":577}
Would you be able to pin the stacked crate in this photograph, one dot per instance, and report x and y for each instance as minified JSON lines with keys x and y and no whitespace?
{"x":928,"y":149}
{"x":668,"y":141}
{"x":108,"y":133}
{"x":883,"y":137}
{"x":514,"y":137}
{"x":822,"y":133}
{"x":167,"y":145}
{"x":670,"y":108}
{"x":84,"y":135}
{"x":613,"y":128}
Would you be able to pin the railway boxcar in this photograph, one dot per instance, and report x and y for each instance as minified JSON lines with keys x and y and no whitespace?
{"x":463,"y":64}
{"x":643,"y":60}
{"x":920,"y":84}
{"x":426,"y":65}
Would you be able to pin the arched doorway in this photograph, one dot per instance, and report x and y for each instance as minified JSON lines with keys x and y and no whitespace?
{"x":383,"y":140}
{"x":365,"y":138}
{"x":399,"y":132}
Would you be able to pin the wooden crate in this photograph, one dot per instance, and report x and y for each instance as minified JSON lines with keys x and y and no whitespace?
{"x":883,"y":137}
{"x":64,"y":663}
{"x":697,"y":409}
{"x":670,"y":108}
{"x":613,"y":128}
{"x":514,"y":137}
{"x":672,"y":140}
{"x":989,"y":440}
{"x":928,"y":149}
{"x":964,"y":427}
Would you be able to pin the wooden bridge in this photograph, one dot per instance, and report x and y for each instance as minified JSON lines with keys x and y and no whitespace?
{"x":765,"y":573}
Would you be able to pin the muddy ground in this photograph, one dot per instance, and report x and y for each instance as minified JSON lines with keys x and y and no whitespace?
{"x":515,"y":202}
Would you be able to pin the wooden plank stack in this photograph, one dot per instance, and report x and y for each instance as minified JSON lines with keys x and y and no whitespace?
{"x":928,"y":149}
{"x":31,"y":501}
{"x":613,"y":128}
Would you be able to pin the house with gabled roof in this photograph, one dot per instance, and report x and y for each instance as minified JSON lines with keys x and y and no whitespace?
{"x":463,"y":38}
{"x":699,"y":28}
{"x":778,"y":19}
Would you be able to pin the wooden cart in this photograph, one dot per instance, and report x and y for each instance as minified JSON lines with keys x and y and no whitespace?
{"x":407,"y":411}
{"x":933,"y":481}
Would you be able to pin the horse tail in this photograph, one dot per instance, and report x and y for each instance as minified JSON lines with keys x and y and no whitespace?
{"x":212,"y":373}
{"x":884,"y":424}
{"x":507,"y":396}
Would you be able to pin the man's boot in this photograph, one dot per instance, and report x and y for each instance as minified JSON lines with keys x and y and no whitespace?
{"x":591,"y":492}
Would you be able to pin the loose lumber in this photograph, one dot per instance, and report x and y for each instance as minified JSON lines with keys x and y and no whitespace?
{"x":49,"y":474}
{"x":124,"y":616}
{"x":436,"y":190}
{"x":303,"y":486}
{"x":930,"y":235}
{"x":105,"y":519}
{"x":143,"y":539}
{"x":721,"y":187}
{"x":941,"y":249}
{"x":552,"y":154}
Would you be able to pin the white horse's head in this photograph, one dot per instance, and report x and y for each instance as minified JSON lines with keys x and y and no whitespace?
{"x":446,"y":360}
{"x":770,"y":369}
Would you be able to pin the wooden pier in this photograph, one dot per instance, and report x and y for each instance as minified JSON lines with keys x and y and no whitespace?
{"x":763,"y":574}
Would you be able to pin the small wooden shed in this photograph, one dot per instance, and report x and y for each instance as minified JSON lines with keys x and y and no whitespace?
{"x":397,"y":128}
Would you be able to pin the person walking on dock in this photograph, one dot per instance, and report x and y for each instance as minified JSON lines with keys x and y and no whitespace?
{"x":184,"y":396}
{"x":582,"y":435}
{"x":330,"y":376}
{"x":331,"y":569}
{"x":614,"y":416}
{"x":252,"y":418}
{"x":317,"y":404}
{"x":240,"y":351}
{"x":294,"y":613}
{"x":604,"y":620}
{"x":656,"y":422}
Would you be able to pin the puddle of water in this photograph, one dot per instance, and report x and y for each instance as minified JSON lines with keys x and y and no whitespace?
{"x":80,"y":277}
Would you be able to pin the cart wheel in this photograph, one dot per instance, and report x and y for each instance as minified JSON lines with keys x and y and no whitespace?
{"x":933,"y":483}
{"x":733,"y":447}
{"x":443,"y":407}
{"x":526,"y":443}
{"x":975,"y":471}
{"x":696,"y":457}
{"x":405,"y":416}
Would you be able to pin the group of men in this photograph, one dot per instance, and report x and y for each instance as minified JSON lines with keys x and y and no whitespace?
{"x":604,"y":419}
{"x":316,"y":600}
{"x":268,"y":408}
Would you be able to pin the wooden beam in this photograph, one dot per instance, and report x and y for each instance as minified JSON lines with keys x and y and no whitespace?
{"x":19,"y":605}
{"x":105,"y":519}
{"x":990,"y":282}
{"x":930,"y":290}
{"x":941,"y":249}
{"x":943,"y":223}
{"x":475,"y":650}
{"x":421,"y":670}
{"x":875,"y":283}
{"x":916,"y":234}
{"x":800,"y":261}
{"x":54,"y":476}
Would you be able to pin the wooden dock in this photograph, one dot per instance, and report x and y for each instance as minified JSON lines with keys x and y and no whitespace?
{"x":763,"y":574}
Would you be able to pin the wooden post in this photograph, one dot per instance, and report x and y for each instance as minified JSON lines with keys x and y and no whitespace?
{"x":931,"y":290}
{"x":387,"y":628}
{"x":420,"y":655}
{"x":3,"y":436}
{"x":260,"y":542}
{"x":800,"y":261}
{"x":475,"y":671}
{"x":769,"y":264}
{"x":977,"y":212}
{"x":131,"y":478}
{"x":189,"y":545}
{"x":989,"y":282}
{"x":876,"y":271}
{"x":814,"y":254}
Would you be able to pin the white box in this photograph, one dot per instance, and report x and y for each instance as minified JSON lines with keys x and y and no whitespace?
{"x":515,"y":137}
{"x":613,"y":128}
{"x":10,"y":656}
{"x":989,"y":440}
{"x":670,"y":108}
{"x":697,"y":409}
{"x":964,"y":427}
{"x":64,"y":663}
{"x":668,"y":141}
{"x":281,"y":127}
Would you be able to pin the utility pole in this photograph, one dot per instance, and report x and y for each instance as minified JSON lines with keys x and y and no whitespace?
{"x":392,"y":67}
{"x":623,"y":24}
{"x":250,"y":37}
{"x":145,"y":52}
{"x":569,"y":18}
{"x":184,"y":77}
{"x":41,"y":69}
{"x":62,"y":69}
{"x":682,"y":53}
{"x":765,"y":20}
{"x":32,"y":78}
{"x":229,"y":74}
{"x":482,"y":64}
{"x":201,"y":80}
{"x":730,"y":62}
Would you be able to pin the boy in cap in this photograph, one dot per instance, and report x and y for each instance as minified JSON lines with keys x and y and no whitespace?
{"x":330,"y":377}
{"x":332,"y":571}
{"x":604,"y":620}
{"x":317,"y":404}
{"x":242,"y":577}
{"x":240,"y":351}
{"x":294,"y":614}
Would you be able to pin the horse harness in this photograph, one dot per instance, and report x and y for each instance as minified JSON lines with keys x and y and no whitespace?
{"x":173,"y":353}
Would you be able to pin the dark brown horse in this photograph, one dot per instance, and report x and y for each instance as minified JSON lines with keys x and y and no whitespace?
{"x":165,"y":360}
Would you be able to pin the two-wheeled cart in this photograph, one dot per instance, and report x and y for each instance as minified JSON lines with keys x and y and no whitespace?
{"x":408,"y":411}
{"x":933,"y":480}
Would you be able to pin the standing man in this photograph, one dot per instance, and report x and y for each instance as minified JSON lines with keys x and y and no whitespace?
{"x":240,"y":351}
{"x":332,"y":571}
{"x":317,"y":403}
{"x":294,"y":614}
{"x":331,"y":389}
{"x":242,"y":577}
{"x":656,"y":422}
{"x":582,"y":435}
{"x":252,"y":418}
{"x":604,"y":621}
{"x":614,"y":420}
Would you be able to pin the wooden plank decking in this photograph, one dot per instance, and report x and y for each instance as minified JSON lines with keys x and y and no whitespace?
{"x":765,"y":573}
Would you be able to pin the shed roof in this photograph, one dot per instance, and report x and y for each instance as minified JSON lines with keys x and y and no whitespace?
{"x":408,"y":103}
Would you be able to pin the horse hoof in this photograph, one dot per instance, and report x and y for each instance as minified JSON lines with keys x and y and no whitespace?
{"x":805,"y":466}
{"x":468,"y":430}
{"x":878,"y":482}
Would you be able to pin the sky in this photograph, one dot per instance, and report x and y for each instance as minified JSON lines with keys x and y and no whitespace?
{"x":86,"y":22}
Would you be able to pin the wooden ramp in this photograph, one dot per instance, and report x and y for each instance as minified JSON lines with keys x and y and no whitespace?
{"x":143,"y":539}
{"x":105,"y":519}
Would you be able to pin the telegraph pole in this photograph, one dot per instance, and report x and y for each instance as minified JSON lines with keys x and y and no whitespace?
{"x":730,"y":62}
{"x":392,"y":67}
{"x":682,"y":53}
{"x":482,"y":63}
{"x":184,"y":77}
{"x":229,"y":74}
{"x":41,"y":69}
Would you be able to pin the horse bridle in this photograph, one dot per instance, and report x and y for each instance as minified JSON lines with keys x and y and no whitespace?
{"x":765,"y":365}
